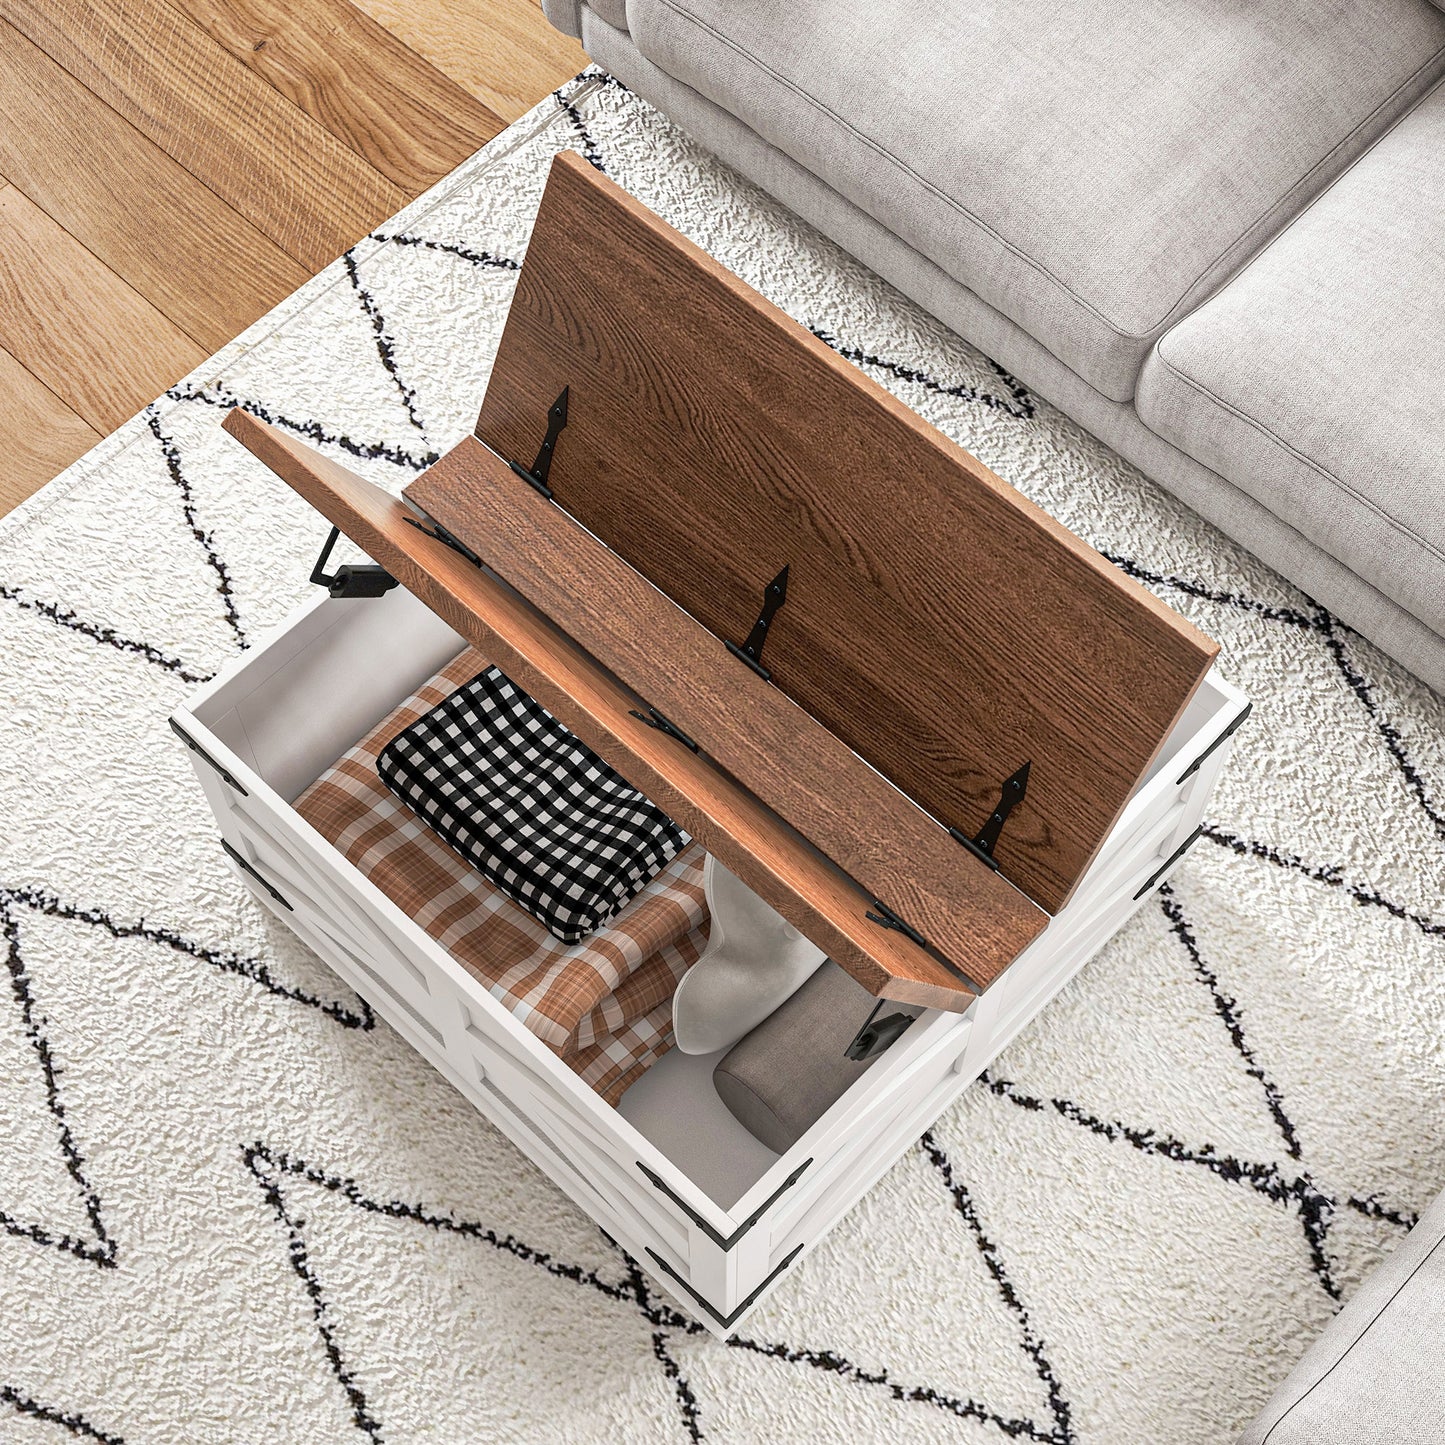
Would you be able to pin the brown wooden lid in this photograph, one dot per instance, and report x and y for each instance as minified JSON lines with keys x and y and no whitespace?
{"x":758,"y":737}
{"x":992,"y":921}
{"x":936,"y":621}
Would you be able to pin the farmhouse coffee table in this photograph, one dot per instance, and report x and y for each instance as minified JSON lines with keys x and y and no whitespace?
{"x":935,"y":730}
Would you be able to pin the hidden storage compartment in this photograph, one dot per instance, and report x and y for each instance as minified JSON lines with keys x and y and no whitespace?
{"x":279,"y":720}
{"x":670,"y":1155}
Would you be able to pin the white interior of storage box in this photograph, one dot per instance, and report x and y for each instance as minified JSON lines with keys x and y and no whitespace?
{"x":324,"y":682}
{"x":295,"y":705}
{"x":1203,"y":707}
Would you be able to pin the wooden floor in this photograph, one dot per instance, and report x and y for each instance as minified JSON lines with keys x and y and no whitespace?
{"x":170,"y":169}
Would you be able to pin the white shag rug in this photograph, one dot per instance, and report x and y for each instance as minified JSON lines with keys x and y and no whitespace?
{"x":236,"y":1207}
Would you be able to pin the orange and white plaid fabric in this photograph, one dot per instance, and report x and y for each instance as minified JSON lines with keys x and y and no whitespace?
{"x":603,"y":1005}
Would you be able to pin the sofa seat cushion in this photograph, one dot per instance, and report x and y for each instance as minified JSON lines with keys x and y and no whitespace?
{"x":1089,"y":170}
{"x":1315,"y":380}
{"x":1376,"y":1376}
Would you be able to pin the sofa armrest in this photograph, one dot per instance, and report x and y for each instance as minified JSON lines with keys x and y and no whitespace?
{"x":1377,"y":1373}
{"x":566,"y":15}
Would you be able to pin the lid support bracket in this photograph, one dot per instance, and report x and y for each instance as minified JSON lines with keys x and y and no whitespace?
{"x":875,"y":1038}
{"x":353,"y":579}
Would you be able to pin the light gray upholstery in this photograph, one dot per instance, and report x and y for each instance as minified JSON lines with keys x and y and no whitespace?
{"x":1091,"y":169}
{"x":614,"y":12}
{"x":1376,"y":1376}
{"x":565,"y":15}
{"x":781,"y":1078}
{"x":1315,"y":380}
{"x":1352,"y":598}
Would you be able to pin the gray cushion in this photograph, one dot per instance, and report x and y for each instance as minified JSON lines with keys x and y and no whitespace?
{"x":1376,"y":1376}
{"x":614,"y":12}
{"x":1090,"y":169}
{"x":1226,"y":505}
{"x":566,"y":15}
{"x":780,"y":1079}
{"x":1315,"y":381}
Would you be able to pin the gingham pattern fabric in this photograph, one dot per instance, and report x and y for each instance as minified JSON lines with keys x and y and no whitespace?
{"x":530,"y":805}
{"x":603,"y":1005}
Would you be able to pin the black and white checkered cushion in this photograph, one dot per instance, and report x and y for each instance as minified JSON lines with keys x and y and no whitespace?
{"x":529,"y":805}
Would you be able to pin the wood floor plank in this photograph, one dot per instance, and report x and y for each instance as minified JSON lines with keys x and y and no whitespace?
{"x":196,"y":259}
{"x":503,"y":51}
{"x":66,"y":317}
{"x":39,"y":434}
{"x":397,"y":111}
{"x":106,"y":281}
{"x":281,"y":169}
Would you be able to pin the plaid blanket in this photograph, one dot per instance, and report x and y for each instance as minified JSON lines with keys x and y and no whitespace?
{"x":506,"y":786}
{"x":603,"y":1005}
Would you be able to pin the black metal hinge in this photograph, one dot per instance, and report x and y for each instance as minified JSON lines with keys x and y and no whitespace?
{"x":206,"y":758}
{"x":439,"y":533}
{"x":983,"y":843}
{"x":655,"y":719}
{"x":363,"y":579}
{"x":536,"y":475}
{"x":246,"y":867}
{"x":751,"y":651}
{"x":1218,"y":743}
{"x":885,"y":917}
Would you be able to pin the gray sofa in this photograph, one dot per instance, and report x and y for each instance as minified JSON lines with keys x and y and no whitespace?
{"x":1212,"y":234}
{"x":1375,"y":1376}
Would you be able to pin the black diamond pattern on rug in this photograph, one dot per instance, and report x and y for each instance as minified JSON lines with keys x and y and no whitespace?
{"x":347,"y":1250}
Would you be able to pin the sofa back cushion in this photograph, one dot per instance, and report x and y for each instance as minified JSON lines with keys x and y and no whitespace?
{"x":1090,"y":170}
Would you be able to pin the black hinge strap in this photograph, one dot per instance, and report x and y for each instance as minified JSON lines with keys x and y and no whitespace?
{"x":726,"y":1321}
{"x":655,"y":719}
{"x":438,"y":533}
{"x":721,"y":1242}
{"x":887,"y":918}
{"x":1218,"y":743}
{"x":206,"y":758}
{"x":751,"y":652}
{"x":536,"y":475}
{"x":246,"y":867}
{"x":983,"y":843}
{"x":354,"y":579}
{"x":1169,"y":862}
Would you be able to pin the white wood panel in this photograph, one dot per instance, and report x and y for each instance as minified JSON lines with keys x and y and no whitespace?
{"x":272,"y":720}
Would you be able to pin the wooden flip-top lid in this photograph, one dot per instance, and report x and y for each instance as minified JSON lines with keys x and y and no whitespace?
{"x":938,"y":630}
{"x":994,"y":921}
{"x":937,"y":622}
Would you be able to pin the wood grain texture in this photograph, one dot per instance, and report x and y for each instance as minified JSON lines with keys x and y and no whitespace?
{"x":727,"y":819}
{"x":937,"y":622}
{"x":342,"y":68}
{"x":105,"y":358}
{"x":39,"y":434}
{"x":754,"y":732}
{"x":201,"y":263}
{"x":502,"y":51}
{"x":181,"y":189}
{"x":284,"y":171}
